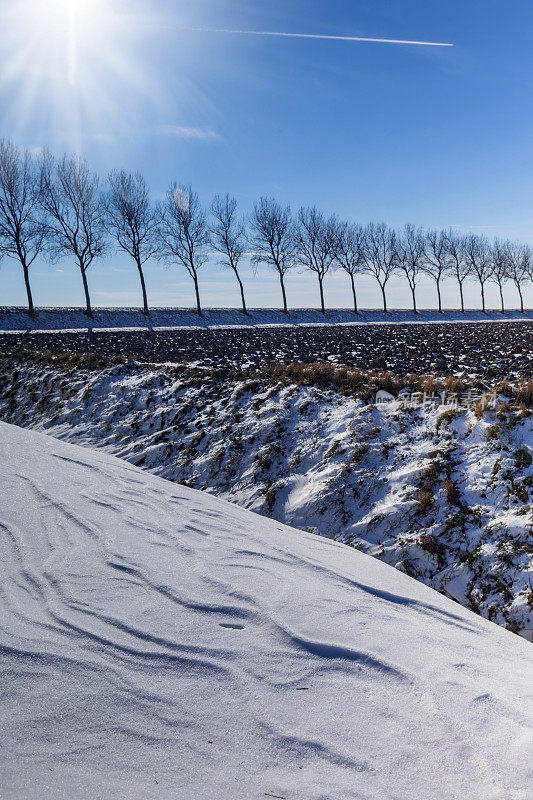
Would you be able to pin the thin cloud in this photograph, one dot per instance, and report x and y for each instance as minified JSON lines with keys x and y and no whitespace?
{"x":482,"y":227}
{"x":321,"y":36}
{"x":185,"y":132}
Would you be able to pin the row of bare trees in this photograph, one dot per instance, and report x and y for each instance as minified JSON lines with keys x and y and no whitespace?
{"x":58,"y":208}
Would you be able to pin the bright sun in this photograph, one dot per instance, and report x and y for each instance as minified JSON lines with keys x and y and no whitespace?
{"x":70,"y":62}
{"x":54,"y":26}
{"x":66,"y":30}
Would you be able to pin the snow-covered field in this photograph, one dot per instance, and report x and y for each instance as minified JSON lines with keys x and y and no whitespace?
{"x":157,"y":642}
{"x":443,"y":495}
{"x":13,"y":319}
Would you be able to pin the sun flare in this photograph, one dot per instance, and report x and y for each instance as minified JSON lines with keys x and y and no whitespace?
{"x":70,"y":25}
{"x":62,"y":32}
{"x":70,"y":62}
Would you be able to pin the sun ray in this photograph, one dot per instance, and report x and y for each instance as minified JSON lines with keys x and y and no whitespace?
{"x":71,"y":43}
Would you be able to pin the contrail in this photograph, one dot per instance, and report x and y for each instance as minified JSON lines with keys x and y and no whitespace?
{"x":321,"y":36}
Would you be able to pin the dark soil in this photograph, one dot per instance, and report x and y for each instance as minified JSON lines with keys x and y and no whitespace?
{"x":492,"y":349}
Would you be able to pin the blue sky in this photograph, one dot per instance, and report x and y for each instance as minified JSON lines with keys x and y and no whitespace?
{"x":434,"y":136}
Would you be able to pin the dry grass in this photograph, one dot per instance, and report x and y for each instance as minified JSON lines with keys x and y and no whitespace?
{"x":66,"y":360}
{"x":524,"y":394}
{"x":349,"y":381}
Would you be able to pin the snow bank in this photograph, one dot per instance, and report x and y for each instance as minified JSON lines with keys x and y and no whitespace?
{"x":446,"y":499}
{"x":72,"y":319}
{"x":157,"y":642}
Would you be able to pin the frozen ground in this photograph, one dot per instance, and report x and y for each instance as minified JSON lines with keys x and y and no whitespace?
{"x":157,"y":642}
{"x":13,"y":319}
{"x":444,"y":495}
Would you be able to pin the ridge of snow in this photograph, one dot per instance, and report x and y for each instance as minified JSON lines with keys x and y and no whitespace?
{"x":65,"y":320}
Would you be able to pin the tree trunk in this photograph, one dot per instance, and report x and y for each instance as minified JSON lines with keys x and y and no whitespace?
{"x":146,"y":310}
{"x":384,"y":298}
{"x":31,"y":310}
{"x":354,"y":295}
{"x":88,"y":309}
{"x":322,"y":304}
{"x":462,"y":297}
{"x":197,"y":292}
{"x":501,"y":298}
{"x":482,"y":284}
{"x":521,"y":298}
{"x":285,"y":309}
{"x":241,"y":287}
{"x":413,"y":292}
{"x":438,"y":295}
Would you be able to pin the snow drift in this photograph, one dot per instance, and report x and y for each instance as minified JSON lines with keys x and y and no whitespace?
{"x":62,"y":319}
{"x":157,"y":642}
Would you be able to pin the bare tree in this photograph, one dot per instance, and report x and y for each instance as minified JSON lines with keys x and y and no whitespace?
{"x":228,"y":236}
{"x":183,"y":232}
{"x":411,"y":252}
{"x":316,"y":239}
{"x":437,"y":261}
{"x":501,"y":271}
{"x":350,"y":253}
{"x":520,"y":267}
{"x":22,"y":232}
{"x":74,"y":211}
{"x":460,"y":266}
{"x":479,"y":256}
{"x":381,"y":254}
{"x":273,"y":239}
{"x":131,"y":219}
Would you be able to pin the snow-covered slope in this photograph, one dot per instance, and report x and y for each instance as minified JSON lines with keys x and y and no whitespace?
{"x":446,"y":496}
{"x":157,"y":642}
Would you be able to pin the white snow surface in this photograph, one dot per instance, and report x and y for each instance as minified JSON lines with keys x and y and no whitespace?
{"x":158,"y":642}
{"x":74,"y":319}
